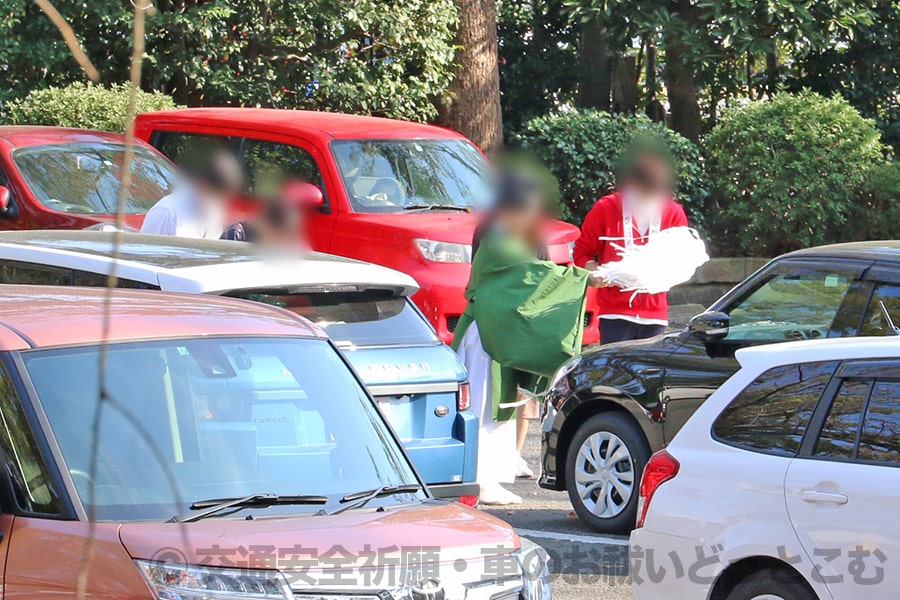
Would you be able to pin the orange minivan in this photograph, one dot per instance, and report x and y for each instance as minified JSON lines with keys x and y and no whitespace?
{"x":175,"y":447}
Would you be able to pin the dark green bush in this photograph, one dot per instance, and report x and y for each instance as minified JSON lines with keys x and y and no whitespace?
{"x":787,"y":172}
{"x":877,"y":215}
{"x":583,"y":150}
{"x":81,"y":105}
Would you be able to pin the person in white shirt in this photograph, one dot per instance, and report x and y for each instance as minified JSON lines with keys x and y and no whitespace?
{"x":196,"y":209}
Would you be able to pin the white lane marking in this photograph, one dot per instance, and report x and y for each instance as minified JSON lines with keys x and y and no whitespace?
{"x":573,"y":537}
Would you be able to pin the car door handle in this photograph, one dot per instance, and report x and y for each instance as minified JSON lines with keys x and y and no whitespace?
{"x":817,"y":497}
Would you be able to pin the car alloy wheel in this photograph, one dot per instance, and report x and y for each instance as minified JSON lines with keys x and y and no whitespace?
{"x":604,"y":474}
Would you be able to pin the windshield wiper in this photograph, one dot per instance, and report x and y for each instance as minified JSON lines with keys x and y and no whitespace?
{"x":216,"y":505}
{"x":437,"y":207}
{"x":360,"y":499}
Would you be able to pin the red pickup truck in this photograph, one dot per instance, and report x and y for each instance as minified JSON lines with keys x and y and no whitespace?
{"x":404,"y":195}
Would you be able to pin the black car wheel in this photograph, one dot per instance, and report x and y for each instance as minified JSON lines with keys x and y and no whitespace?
{"x":603,"y":472}
{"x":771,"y":585}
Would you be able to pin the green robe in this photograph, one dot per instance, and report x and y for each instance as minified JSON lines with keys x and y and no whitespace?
{"x":529,"y":313}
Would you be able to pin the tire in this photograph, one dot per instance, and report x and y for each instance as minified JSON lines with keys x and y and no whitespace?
{"x":771,"y":584}
{"x":601,"y":494}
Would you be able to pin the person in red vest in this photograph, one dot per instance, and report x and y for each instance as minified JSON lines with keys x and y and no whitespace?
{"x":642,"y":207}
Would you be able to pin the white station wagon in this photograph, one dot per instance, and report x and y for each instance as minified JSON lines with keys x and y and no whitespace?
{"x":418,"y":381}
{"x":784,"y":485}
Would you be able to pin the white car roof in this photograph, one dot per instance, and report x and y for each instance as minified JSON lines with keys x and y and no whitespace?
{"x":761,"y":358}
{"x":197,"y":266}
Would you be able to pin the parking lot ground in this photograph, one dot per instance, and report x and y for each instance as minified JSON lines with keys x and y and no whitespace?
{"x":585,"y":564}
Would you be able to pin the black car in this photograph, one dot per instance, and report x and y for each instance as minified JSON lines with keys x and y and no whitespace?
{"x":611,"y":407}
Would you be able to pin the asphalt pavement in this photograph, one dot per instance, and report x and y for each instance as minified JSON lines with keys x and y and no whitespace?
{"x":585,"y":565}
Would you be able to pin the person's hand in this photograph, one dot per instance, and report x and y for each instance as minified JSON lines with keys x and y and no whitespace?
{"x":599,"y":281}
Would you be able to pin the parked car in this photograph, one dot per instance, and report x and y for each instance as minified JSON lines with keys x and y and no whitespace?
{"x":61,"y":178}
{"x":418,"y":382}
{"x":404,"y":195}
{"x":236,"y":456}
{"x":610,"y":408}
{"x":787,"y":478}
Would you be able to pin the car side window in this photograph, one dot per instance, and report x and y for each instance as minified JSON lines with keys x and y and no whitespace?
{"x":838,"y":437}
{"x":772,"y":413}
{"x":789,"y":307}
{"x":186,"y":149}
{"x":268,"y":164}
{"x":879,"y":440}
{"x":22,"y":458}
{"x":874,"y":322}
{"x":29,"y":274}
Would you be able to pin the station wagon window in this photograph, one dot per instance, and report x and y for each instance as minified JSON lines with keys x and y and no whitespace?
{"x":879,"y":440}
{"x":21,"y":456}
{"x":841,"y":429}
{"x":789,"y":307}
{"x":12,"y":272}
{"x":771,"y":415}
{"x":372,"y":318}
{"x":874,"y":322}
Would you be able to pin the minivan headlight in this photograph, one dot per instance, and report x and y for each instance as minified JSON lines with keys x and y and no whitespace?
{"x":444,"y":252}
{"x":170,"y":581}
{"x":535,"y":563}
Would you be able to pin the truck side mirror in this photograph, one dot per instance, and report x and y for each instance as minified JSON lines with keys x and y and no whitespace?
{"x":303,"y":194}
{"x":8,"y":208}
{"x":709,"y":326}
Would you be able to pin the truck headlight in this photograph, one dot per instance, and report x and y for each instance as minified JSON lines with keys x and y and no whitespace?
{"x":444,"y":252}
{"x":535,"y":565}
{"x":196,"y":582}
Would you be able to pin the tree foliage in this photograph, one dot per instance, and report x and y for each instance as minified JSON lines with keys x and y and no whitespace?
{"x":787,"y":172}
{"x":584,"y":149}
{"x":363,"y":56}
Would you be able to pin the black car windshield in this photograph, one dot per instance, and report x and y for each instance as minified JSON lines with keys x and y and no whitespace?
{"x":397,"y":175}
{"x":85,"y":178}
{"x":195,"y":419}
{"x":371,"y":318}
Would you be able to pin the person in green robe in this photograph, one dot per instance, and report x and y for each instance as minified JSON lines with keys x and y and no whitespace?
{"x":523,"y":320}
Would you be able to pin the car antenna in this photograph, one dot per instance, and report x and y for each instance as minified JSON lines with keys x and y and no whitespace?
{"x":892,"y":329}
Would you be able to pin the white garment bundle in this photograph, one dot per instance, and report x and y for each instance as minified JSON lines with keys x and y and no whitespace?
{"x":669,"y":257}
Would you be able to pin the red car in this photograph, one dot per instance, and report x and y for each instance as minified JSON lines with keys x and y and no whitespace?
{"x":60,"y":178}
{"x":399,"y":194}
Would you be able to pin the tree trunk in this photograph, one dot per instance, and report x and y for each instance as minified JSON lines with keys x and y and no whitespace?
{"x":624,"y":85}
{"x":685,"y":108}
{"x":472,"y":104}
{"x":595,"y":66}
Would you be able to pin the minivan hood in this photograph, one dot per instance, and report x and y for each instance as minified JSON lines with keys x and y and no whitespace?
{"x":452,"y":226}
{"x":460,"y":533}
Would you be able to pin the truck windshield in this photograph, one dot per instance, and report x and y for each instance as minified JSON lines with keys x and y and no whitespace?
{"x":85,"y":178}
{"x":372,"y":318}
{"x":192,"y":419}
{"x":397,"y":175}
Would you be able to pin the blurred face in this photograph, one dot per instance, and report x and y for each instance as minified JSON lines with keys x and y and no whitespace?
{"x":523,"y":223}
{"x":650,"y":183}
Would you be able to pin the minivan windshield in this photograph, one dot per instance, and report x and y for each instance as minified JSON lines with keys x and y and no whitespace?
{"x":398,"y":175}
{"x":192,"y":420}
{"x":85,"y":178}
{"x":370,"y":318}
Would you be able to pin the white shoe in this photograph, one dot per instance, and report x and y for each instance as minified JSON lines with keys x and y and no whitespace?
{"x":494,"y":494}
{"x":523,"y":471}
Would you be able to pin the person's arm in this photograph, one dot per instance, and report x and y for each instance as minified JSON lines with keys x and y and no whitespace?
{"x":679,"y":218}
{"x":159,"y":220}
{"x":588,"y":244}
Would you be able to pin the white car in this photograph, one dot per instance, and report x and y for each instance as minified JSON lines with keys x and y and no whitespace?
{"x":785,"y":484}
